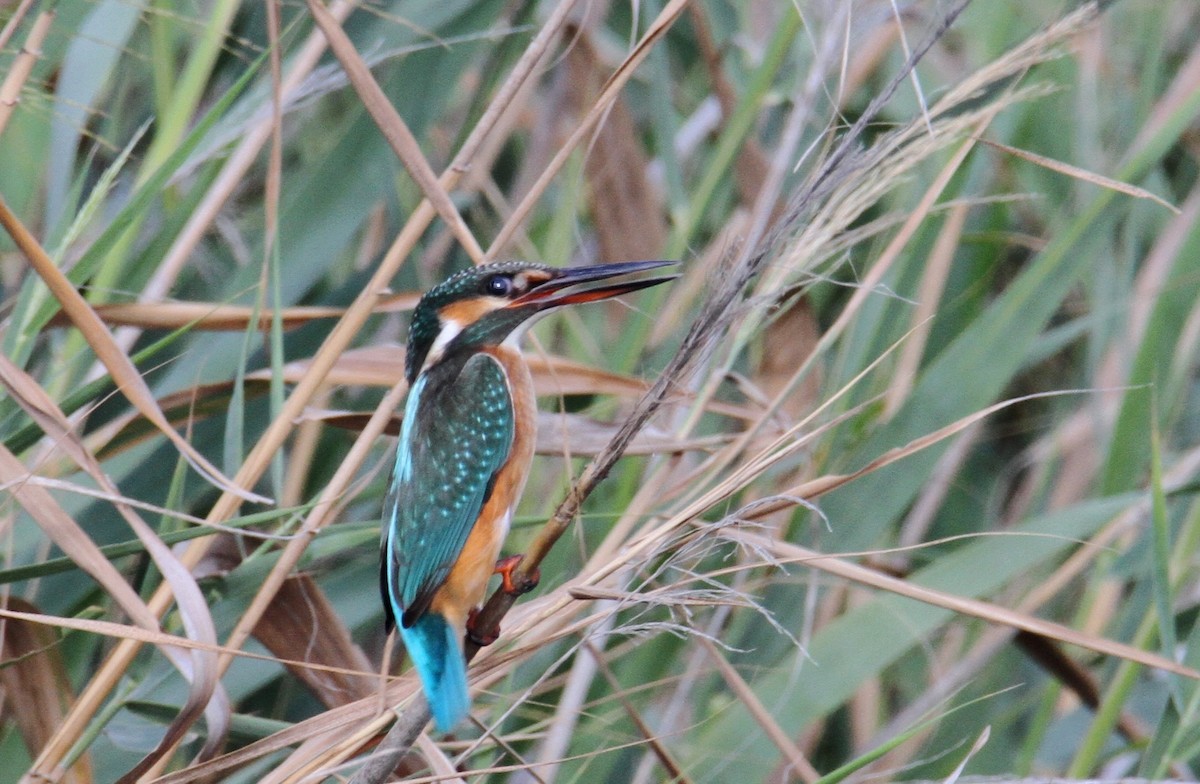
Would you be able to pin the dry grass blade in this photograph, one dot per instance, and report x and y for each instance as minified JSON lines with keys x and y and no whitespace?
{"x":209,"y":316}
{"x":752,"y":166}
{"x":22,"y":66}
{"x":320,"y":755}
{"x":980,"y":741}
{"x":130,"y":382}
{"x":825,"y":484}
{"x":69,"y":537}
{"x":323,"y":511}
{"x":120,"y":631}
{"x":275,"y":156}
{"x":582,"y":436}
{"x":162,"y":511}
{"x":608,"y":94}
{"x":628,"y":216}
{"x":301,"y":605}
{"x":658,"y":747}
{"x":394,"y":129}
{"x":205,"y":694}
{"x":1181,"y":90}
{"x":933,"y":281}
{"x":555,"y":376}
{"x":441,"y":765}
{"x":360,"y":719}
{"x":14,"y":21}
{"x":557,"y":434}
{"x":184,"y":407}
{"x":383,"y":366}
{"x":36,"y":688}
{"x":799,"y":764}
{"x":1081,"y":174}
{"x":234,"y":171}
{"x":992,"y":613}
{"x":377,"y":366}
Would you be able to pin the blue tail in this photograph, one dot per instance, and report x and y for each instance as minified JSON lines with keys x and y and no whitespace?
{"x":436,"y":652}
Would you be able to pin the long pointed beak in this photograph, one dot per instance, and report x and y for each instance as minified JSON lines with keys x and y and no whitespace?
{"x":551,"y":294}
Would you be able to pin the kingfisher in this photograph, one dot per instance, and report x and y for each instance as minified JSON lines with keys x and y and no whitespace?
{"x":466,"y":444}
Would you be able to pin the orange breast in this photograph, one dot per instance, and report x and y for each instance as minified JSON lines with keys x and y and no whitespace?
{"x":466,"y":584}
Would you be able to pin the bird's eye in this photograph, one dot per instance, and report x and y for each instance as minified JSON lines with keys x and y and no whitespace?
{"x":500,"y":285}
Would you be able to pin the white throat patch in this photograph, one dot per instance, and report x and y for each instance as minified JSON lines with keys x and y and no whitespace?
{"x":450,"y":330}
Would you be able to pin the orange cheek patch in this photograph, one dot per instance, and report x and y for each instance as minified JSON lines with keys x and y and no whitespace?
{"x":468,"y":311}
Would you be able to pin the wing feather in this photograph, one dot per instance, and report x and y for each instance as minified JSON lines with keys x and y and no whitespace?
{"x":457,"y":434}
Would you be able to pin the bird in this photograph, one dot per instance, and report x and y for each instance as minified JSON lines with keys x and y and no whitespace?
{"x":464,"y":452}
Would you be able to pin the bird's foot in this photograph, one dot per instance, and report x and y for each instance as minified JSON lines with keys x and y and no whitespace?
{"x":505,"y":567}
{"x":482,"y":639}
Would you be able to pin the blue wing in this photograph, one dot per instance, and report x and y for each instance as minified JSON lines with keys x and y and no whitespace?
{"x":457,"y":433}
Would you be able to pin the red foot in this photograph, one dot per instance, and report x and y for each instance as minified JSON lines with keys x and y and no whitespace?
{"x":505,"y":567}
{"x":477,"y":637}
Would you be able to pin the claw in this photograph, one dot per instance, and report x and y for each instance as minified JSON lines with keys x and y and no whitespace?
{"x":505,"y":567}
{"x":474,"y":635}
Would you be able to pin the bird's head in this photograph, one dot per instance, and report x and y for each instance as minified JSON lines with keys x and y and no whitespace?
{"x":484,"y":305}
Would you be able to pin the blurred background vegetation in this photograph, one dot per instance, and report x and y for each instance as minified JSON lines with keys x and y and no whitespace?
{"x":829,"y":553}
